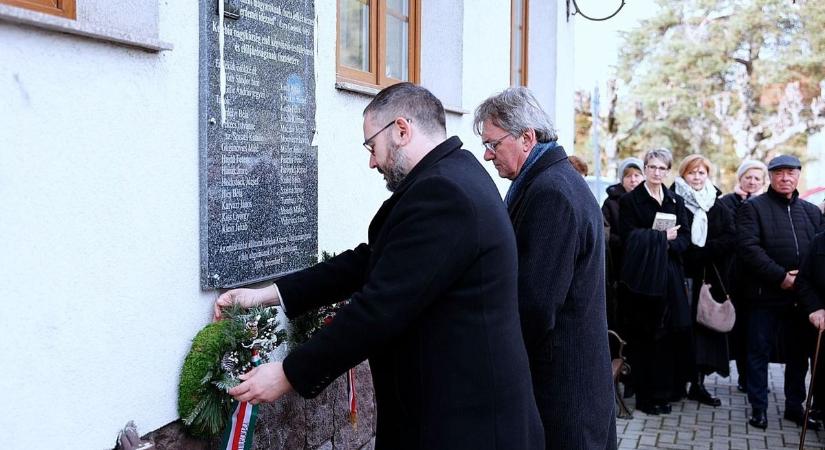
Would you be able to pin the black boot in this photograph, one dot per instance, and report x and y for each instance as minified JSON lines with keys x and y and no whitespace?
{"x":759,"y":419}
{"x":700,"y":394}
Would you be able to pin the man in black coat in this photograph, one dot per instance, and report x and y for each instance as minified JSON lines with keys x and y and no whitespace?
{"x":433,"y":297}
{"x":561,"y":245}
{"x":774,"y":233}
{"x":810,"y":284}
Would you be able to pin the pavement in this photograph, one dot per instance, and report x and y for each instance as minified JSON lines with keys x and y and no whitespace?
{"x":695,"y":426}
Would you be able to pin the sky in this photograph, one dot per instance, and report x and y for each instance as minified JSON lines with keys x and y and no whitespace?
{"x":597,"y":43}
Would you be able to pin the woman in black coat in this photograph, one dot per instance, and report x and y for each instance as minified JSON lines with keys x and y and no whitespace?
{"x":751,"y":178}
{"x":706,"y":261}
{"x":652,"y":281}
{"x":630,"y":172}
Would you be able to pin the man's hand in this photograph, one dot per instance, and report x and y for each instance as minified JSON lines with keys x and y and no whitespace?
{"x":817,"y":319}
{"x":247,"y":298}
{"x":790,"y":279}
{"x":673,"y":232}
{"x":265,"y":383}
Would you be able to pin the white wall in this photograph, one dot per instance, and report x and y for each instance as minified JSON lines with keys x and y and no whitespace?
{"x":99,"y":228}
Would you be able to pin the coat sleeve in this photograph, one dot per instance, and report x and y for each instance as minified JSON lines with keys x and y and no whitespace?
{"x":810,"y":298}
{"x":432,"y":239}
{"x":324,"y":283}
{"x":751,"y":253}
{"x":549,"y":231}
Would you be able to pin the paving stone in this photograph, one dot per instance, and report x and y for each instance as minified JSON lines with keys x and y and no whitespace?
{"x":700,"y":427}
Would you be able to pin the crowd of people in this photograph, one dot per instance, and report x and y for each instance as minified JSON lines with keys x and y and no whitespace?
{"x":484,"y":320}
{"x":760,"y":246}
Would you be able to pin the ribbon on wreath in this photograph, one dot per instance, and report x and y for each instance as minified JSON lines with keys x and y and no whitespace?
{"x":240,"y":431}
{"x":353,"y":404}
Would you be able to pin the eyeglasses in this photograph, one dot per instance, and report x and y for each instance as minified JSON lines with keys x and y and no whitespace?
{"x":368,"y":144}
{"x":491,"y":145}
{"x":657,"y":168}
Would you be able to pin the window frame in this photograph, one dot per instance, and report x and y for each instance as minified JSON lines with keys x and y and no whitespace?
{"x":524,"y":35}
{"x":377,"y":42}
{"x":61,"y":8}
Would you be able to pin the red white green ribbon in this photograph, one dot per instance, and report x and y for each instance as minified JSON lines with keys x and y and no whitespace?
{"x":240,"y":432}
{"x":353,"y":405}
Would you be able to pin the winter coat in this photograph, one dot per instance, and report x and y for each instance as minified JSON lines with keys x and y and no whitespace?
{"x":810,"y":283}
{"x":559,"y":232}
{"x":774,"y":235}
{"x":434,"y":308}
{"x":637,"y":212}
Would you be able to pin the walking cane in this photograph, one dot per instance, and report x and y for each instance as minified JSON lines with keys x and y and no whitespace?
{"x":810,"y":393}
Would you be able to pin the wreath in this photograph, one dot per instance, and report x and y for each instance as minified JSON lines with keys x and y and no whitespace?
{"x":220,"y":353}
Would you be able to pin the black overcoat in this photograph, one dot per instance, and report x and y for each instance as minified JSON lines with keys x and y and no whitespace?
{"x":638,"y":211}
{"x":560,"y":235}
{"x":774,"y":234}
{"x":434,"y":308}
{"x":712,"y":264}
{"x":810,"y":283}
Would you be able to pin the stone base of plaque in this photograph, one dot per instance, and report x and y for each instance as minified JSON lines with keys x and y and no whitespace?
{"x":295,"y":423}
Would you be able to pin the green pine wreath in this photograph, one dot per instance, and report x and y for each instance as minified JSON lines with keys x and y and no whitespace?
{"x":220,"y":352}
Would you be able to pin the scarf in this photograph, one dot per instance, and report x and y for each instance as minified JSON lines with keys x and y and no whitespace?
{"x":699,"y":203}
{"x":515,"y":188}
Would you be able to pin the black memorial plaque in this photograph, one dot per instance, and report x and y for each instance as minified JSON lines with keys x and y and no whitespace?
{"x":259,"y":170}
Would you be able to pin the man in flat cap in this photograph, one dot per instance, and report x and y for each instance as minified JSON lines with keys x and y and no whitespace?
{"x":774,"y":233}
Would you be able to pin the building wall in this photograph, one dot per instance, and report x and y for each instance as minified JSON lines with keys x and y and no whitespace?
{"x":99,"y":228}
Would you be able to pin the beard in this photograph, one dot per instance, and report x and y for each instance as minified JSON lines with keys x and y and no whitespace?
{"x":395,"y":171}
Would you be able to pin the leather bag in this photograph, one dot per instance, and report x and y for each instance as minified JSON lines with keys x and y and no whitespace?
{"x":712,"y":314}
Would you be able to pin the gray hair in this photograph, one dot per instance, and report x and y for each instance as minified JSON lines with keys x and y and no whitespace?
{"x":412,"y":102}
{"x":662,"y":154}
{"x":515,"y":110}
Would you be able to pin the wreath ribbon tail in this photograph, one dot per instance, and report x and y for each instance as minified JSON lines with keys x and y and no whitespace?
{"x":240,"y":431}
{"x":353,"y":404}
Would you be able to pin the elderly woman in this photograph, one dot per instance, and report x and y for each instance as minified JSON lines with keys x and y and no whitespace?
{"x":618,"y":317}
{"x":652,"y":282}
{"x":712,"y":237}
{"x":752,"y":176}
{"x":630,"y":175}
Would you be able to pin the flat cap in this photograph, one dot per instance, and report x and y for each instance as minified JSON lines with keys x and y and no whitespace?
{"x":784,"y":162}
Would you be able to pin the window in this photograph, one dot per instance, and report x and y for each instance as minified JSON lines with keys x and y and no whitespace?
{"x":518,"y":43}
{"x":62,"y":8}
{"x":378,"y":41}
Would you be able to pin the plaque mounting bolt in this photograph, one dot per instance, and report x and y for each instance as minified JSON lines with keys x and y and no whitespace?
{"x":212,"y":121}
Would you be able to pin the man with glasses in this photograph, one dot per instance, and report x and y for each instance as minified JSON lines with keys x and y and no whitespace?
{"x":433,"y":297}
{"x":560,"y":238}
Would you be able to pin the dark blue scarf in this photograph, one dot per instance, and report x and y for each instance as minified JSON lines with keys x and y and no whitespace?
{"x":538,"y":151}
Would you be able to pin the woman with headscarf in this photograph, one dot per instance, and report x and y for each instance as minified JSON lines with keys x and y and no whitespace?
{"x":712,"y":236}
{"x":618,"y":317}
{"x":654,"y":228}
{"x":752,"y":176}
{"x":630,"y":176}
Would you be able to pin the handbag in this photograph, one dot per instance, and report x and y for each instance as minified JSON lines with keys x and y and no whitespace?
{"x":712,"y":314}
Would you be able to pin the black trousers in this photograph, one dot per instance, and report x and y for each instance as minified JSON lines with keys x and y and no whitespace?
{"x":764,"y":324}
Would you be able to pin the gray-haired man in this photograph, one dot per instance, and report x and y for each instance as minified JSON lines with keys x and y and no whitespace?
{"x":560,"y":239}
